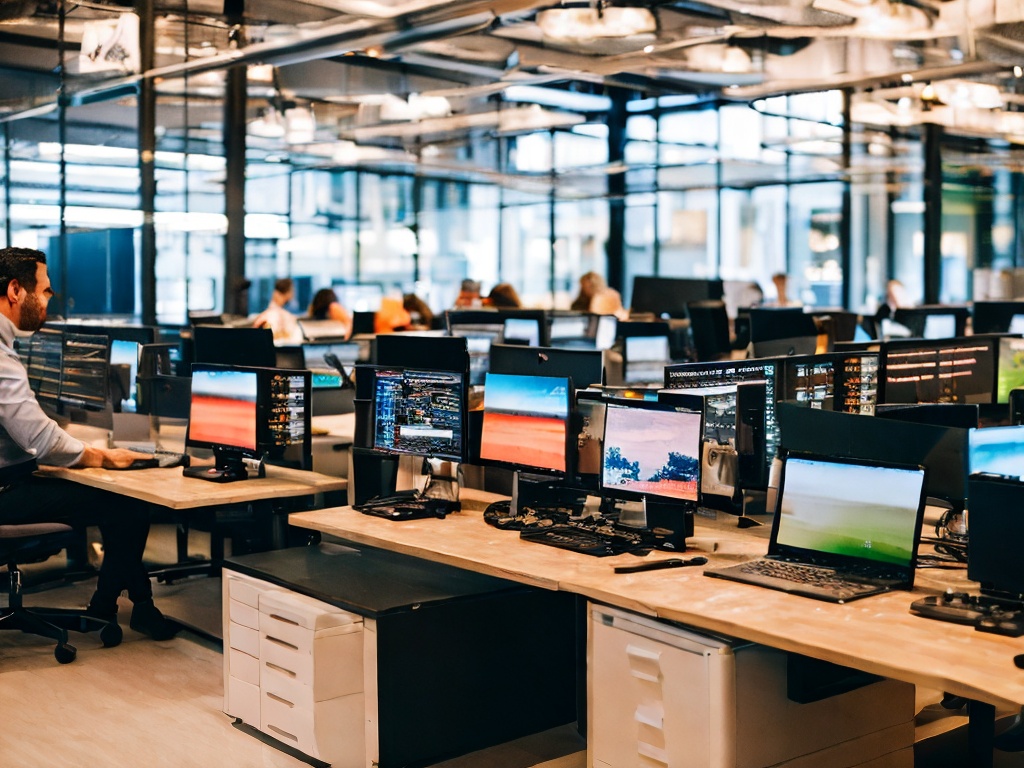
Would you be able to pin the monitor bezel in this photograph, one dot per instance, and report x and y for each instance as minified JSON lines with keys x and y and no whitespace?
{"x":243,"y":451}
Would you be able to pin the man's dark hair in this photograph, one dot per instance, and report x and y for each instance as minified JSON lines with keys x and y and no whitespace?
{"x":19,"y":264}
{"x":283,"y":285}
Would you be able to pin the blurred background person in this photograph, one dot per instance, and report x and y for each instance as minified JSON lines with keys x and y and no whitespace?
{"x":392,"y":316}
{"x":591,"y":284}
{"x":595,"y":296}
{"x":420,"y":314}
{"x":503,"y":296}
{"x":277,"y":317}
{"x":781,"y":282}
{"x":325,"y":306}
{"x":469,"y":295}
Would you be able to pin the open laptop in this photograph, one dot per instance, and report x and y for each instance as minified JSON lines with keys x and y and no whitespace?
{"x":843,"y":529}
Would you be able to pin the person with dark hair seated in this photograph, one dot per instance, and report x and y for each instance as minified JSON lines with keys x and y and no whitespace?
{"x":28,"y":436}
{"x":325,"y":306}
{"x":422,"y":317}
{"x":503,"y":296}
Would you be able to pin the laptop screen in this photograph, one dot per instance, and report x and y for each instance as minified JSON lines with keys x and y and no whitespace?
{"x":849,"y":511}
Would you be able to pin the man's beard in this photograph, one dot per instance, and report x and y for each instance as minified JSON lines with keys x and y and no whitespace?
{"x":33,"y":314}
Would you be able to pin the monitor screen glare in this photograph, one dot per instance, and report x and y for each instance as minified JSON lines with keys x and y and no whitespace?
{"x":646,"y":358}
{"x":521,"y":330}
{"x":419,"y":413}
{"x":854,"y":510}
{"x":940,"y":326}
{"x":525,"y":421}
{"x":223,"y":409}
{"x":651,"y":452}
{"x":997,"y":451}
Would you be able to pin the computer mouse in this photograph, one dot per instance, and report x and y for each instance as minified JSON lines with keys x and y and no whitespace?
{"x":1018,"y":661}
{"x":143,"y":464}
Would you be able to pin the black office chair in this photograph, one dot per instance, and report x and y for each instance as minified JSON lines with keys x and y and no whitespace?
{"x":34,"y":543}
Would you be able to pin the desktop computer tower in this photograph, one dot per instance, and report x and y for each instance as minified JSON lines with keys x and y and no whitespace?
{"x":663,"y":695}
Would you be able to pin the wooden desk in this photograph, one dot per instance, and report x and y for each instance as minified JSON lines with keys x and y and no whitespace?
{"x":877,"y":634}
{"x":169,"y":488}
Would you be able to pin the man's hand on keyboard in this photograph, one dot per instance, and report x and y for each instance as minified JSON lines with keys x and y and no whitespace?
{"x":109,"y":458}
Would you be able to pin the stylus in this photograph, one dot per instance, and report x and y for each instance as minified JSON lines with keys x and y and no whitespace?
{"x":674,"y":562}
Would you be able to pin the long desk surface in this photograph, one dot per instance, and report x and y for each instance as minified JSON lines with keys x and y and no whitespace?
{"x":167,"y":487}
{"x":877,"y":634}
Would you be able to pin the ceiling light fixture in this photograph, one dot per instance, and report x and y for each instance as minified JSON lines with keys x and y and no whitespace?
{"x":577,"y":24}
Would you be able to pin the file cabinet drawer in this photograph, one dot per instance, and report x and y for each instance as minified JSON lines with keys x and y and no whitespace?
{"x":243,"y":701}
{"x":243,"y":614}
{"x":245,"y":591}
{"x":330,"y":665}
{"x":243,"y":666}
{"x":331,"y":731}
{"x":244,"y":639}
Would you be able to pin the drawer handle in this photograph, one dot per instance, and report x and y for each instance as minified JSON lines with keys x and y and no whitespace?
{"x":279,"y":732}
{"x":285,"y":619}
{"x":279,"y":669}
{"x":277,"y":698}
{"x":282,"y":643}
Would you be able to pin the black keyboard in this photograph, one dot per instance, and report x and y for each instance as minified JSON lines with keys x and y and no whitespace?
{"x":571,"y":538}
{"x":158,"y":459}
{"x":983,"y":613}
{"x":822,"y":578}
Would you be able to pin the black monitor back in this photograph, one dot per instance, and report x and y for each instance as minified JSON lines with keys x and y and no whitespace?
{"x":943,"y":450}
{"x":962,"y":415}
{"x":431,"y":353}
{"x":709,"y":329}
{"x":995,"y":316}
{"x":670,"y":295}
{"x":782,"y":332}
{"x":996,"y":530}
{"x":253,"y":347}
{"x":584,"y":366}
{"x":916,"y":319}
{"x":363,"y":322}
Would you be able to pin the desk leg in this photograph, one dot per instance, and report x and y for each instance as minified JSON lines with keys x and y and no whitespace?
{"x":981,"y":725}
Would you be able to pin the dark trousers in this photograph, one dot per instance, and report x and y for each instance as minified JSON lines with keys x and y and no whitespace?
{"x":123,"y":523}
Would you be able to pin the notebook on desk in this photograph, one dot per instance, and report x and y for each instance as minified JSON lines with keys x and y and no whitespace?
{"x":844,"y":529}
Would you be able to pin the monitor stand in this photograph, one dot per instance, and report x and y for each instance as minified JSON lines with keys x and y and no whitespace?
{"x":442,"y":482}
{"x":227,"y":468}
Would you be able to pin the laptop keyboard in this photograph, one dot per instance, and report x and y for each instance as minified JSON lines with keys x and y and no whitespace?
{"x":812,"y":576}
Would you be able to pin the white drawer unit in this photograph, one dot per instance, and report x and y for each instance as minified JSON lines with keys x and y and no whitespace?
{"x":293,"y":668}
{"x":660,"y":696}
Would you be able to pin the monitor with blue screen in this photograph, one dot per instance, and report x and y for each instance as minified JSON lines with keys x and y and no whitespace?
{"x":526,"y":421}
{"x":996,"y":451}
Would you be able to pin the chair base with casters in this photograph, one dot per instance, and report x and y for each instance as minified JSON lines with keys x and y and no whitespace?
{"x":35,"y":542}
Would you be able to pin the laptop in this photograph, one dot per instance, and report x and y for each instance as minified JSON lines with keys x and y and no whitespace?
{"x":843,"y":529}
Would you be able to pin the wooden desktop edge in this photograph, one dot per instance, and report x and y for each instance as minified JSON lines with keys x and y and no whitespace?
{"x":167,"y":487}
{"x":877,"y":634}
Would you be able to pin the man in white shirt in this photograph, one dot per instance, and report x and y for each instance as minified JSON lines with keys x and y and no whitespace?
{"x":277,"y":317}
{"x":28,"y":436}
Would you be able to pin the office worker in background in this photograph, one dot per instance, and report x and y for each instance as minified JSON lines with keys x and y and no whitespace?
{"x":781,"y":282}
{"x":595,"y":296}
{"x":391,"y":316}
{"x":469,"y":295}
{"x":325,"y":306}
{"x":28,"y":435}
{"x":421,"y":317}
{"x":503,"y":296}
{"x":277,"y":317}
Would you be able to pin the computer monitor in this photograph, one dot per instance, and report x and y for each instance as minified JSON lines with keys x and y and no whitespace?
{"x":480,"y":328}
{"x":668,"y":296}
{"x":936,"y":321}
{"x":644,"y":358}
{"x":534,"y":406}
{"x":425,"y":352}
{"x":571,"y":329}
{"x":605,"y":331}
{"x":126,"y":353}
{"x":996,"y":316}
{"x":939,"y":371}
{"x":70,"y":375}
{"x":420,"y":413}
{"x":324,"y":331}
{"x":326,"y":374}
{"x":996,"y":451}
{"x":247,"y":416}
{"x":584,"y":366}
{"x":943,"y":450}
{"x":996,"y":531}
{"x":590,"y":406}
{"x":252,"y":347}
{"x":1010,"y":367}
{"x":837,"y":381}
{"x":709,"y":329}
{"x":521,"y":330}
{"x":782,"y":332}
{"x":651,"y":451}
{"x":698,"y":376}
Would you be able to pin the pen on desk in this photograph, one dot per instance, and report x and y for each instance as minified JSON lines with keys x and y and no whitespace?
{"x":674,"y":562}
